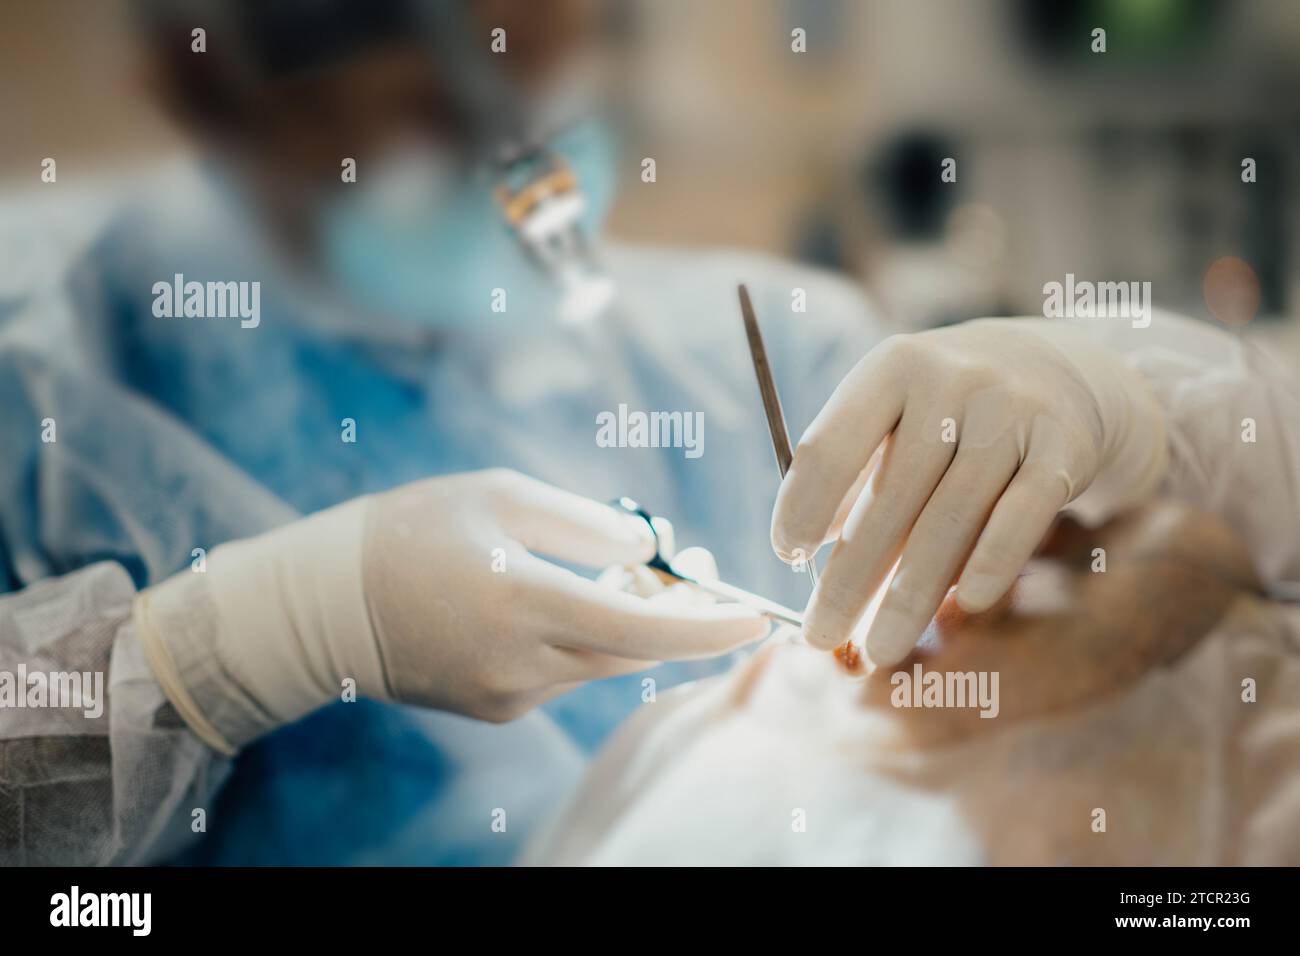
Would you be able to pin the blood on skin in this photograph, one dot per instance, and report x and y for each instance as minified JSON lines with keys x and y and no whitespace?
{"x":849,"y":657}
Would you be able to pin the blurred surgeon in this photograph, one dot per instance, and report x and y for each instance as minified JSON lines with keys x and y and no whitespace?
{"x":160,"y":537}
{"x":234,"y":519}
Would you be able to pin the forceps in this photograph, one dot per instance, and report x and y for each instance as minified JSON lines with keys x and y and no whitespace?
{"x":719,"y":589}
{"x":784,"y":455}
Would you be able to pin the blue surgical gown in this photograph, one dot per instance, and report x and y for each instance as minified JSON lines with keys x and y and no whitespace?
{"x":378,"y":783}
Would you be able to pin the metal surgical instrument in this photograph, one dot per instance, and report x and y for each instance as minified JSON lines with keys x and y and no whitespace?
{"x":719,"y":589}
{"x":771,"y":401}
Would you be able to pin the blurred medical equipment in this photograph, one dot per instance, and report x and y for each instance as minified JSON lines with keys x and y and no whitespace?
{"x":422,"y":239}
{"x":661,"y":562}
{"x":540,"y":197}
{"x":547,"y":214}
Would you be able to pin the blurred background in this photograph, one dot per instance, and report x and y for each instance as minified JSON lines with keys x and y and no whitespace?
{"x":1117,"y":166}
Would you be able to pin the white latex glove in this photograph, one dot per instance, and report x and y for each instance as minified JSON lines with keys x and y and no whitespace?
{"x":967,"y":437}
{"x":431,"y":594}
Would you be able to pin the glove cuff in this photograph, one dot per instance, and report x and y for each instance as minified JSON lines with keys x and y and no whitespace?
{"x":1135,"y":455}
{"x":177,"y":624}
{"x":269,"y":632}
{"x":294,"y":623}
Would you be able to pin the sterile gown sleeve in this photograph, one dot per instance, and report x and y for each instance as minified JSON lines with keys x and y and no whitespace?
{"x":114,"y":782}
{"x":1233,"y":428}
{"x":101,"y":494}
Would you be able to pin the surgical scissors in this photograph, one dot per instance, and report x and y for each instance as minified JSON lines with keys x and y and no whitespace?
{"x":719,"y":589}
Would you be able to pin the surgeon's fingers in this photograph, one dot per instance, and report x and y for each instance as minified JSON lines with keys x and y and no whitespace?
{"x":936,"y":547}
{"x":546,"y":519}
{"x":1023,"y":515}
{"x":835,"y":449}
{"x":579,"y":613}
{"x":851,"y":498}
{"x":912,"y":465}
{"x":575,"y":664}
{"x":696,"y":562}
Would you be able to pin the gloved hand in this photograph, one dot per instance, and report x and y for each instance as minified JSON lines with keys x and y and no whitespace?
{"x":428,"y":594}
{"x":966,"y":437}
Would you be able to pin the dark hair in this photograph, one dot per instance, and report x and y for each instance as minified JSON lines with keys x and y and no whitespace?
{"x":254,"y":42}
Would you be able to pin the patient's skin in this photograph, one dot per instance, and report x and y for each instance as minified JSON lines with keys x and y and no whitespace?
{"x":1067,"y":644}
{"x":1119,"y":692}
{"x":1067,"y":634}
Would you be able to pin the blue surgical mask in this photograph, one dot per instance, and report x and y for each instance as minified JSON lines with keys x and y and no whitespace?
{"x":420,"y":240}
